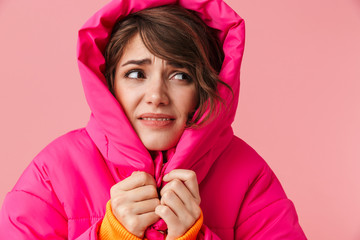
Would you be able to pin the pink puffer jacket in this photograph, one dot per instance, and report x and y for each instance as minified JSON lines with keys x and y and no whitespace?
{"x":63,"y":192}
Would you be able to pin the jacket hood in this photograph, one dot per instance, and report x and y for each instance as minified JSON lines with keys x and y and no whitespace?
{"x":109,"y":127}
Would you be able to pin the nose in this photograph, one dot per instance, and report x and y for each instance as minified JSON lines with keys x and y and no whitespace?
{"x":157,"y":93}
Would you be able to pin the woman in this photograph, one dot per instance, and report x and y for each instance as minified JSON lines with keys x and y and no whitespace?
{"x":158,"y":158}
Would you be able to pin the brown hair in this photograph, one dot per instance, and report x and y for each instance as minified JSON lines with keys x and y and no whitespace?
{"x":176,"y":35}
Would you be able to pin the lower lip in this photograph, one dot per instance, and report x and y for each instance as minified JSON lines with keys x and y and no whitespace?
{"x":157,"y":124}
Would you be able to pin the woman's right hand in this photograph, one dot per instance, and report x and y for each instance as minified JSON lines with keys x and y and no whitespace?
{"x":133,"y":202}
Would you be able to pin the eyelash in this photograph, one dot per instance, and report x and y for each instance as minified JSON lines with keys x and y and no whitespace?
{"x":134,"y":71}
{"x":139,"y":71}
{"x":186,"y":76}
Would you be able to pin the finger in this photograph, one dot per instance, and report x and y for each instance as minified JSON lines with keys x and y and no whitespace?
{"x":166,"y":213}
{"x":188,"y":177}
{"x":149,"y":218}
{"x":142,"y":193}
{"x":138,"y":224}
{"x":145,"y":206}
{"x":179,"y":188}
{"x":173,"y":201}
{"x":136,"y":195}
{"x":191,"y":204}
{"x":137,"y":179}
{"x":175,"y":227}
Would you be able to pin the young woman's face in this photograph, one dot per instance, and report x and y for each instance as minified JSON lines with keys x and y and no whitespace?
{"x":157,"y":96}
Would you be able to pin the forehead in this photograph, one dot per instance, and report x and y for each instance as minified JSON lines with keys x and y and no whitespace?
{"x":136,"y":52}
{"x":135,"y":48}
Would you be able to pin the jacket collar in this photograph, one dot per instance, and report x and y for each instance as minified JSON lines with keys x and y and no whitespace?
{"x":109,"y":127}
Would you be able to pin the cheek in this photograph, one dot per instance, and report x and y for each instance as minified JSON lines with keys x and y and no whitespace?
{"x":191,"y":100}
{"x":187,"y":101}
{"x":126,"y":98}
{"x":195,"y":100}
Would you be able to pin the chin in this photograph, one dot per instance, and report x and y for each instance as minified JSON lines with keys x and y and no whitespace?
{"x":159,"y":143}
{"x":158,"y":146}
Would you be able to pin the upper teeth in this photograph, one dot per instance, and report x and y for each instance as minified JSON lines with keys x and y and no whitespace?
{"x":157,"y":119}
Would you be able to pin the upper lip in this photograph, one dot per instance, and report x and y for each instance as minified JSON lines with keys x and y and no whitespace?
{"x":156,"y":115}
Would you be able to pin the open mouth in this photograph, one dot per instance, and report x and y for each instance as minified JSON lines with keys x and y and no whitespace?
{"x":157,"y":119}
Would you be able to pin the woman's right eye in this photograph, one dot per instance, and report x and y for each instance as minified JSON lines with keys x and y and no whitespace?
{"x":135,"y":74}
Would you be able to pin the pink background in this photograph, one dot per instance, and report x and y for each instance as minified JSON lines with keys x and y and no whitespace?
{"x":299,"y":105}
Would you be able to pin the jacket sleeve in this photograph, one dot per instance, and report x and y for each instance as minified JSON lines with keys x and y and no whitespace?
{"x":25,"y":215}
{"x":33,"y":211}
{"x":266,"y":212}
{"x":91,"y":233}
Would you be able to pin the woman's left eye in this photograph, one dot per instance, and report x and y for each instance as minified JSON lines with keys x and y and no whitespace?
{"x":182,"y":76}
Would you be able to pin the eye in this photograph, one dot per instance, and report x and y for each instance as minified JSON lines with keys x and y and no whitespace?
{"x":135,"y":74}
{"x":182,"y":76}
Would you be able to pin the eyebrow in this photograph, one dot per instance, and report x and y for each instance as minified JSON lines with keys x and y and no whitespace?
{"x":148,"y":61}
{"x":138,"y":62}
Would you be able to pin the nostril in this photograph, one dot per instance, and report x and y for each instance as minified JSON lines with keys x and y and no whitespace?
{"x":158,"y":99}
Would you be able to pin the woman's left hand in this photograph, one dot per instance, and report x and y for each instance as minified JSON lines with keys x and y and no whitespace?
{"x":179,"y":204}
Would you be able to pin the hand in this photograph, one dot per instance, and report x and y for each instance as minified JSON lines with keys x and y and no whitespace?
{"x":133,"y":202}
{"x":180,"y":200}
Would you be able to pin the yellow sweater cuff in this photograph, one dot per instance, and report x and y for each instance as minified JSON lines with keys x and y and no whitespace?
{"x":192,"y":233}
{"x":111,"y":228}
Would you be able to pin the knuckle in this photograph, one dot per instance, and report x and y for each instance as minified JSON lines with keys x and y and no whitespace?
{"x":198,"y":200}
{"x":147,"y":176}
{"x":168,"y":196}
{"x":134,"y":221}
{"x":113,"y":190}
{"x":188,"y":221}
{"x":142,"y":174}
{"x":153,"y":188}
{"x":197,"y":212}
{"x":135,"y":173}
{"x":151,"y":191}
{"x":163,"y":189}
{"x":125,"y":212}
{"x":132,"y":225}
{"x":114,"y":203}
{"x":176,"y":183}
{"x":192,"y":175}
{"x":166,"y":210}
{"x":155,"y":201}
{"x":142,"y":177}
{"x":119,"y":199}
